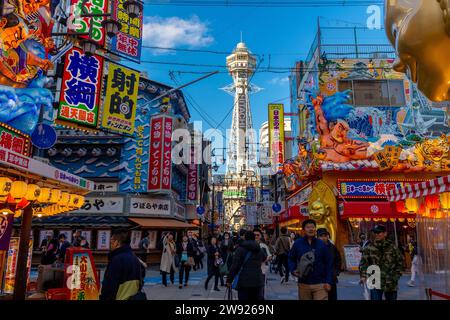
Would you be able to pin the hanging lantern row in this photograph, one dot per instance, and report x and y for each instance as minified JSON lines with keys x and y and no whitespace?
{"x":21,"y":193}
{"x":432,"y":206}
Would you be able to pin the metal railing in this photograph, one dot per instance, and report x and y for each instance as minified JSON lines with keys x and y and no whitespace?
{"x":359,"y":51}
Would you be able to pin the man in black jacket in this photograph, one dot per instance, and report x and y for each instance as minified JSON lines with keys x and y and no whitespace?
{"x":324,"y":235}
{"x":124,"y":274}
{"x":247,"y":261}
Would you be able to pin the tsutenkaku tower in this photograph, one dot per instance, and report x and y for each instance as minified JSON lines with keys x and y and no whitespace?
{"x":241,"y":64}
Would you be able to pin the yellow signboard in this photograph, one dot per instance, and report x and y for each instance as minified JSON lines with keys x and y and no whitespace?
{"x":119,"y":110}
{"x":276,"y":135}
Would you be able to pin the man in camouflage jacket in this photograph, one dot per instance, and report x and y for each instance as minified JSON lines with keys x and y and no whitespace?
{"x":384,"y":254}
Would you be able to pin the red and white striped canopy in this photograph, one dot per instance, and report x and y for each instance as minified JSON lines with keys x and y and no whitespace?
{"x":425,"y":188}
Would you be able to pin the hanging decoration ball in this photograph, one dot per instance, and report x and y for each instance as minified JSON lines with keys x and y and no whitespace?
{"x":384,"y":219}
{"x":5,"y":186}
{"x":392,"y":219}
{"x":444,"y":199}
{"x":368,"y":219}
{"x":44,"y":197}
{"x":19,"y":189}
{"x":64,"y":200}
{"x":411,"y":205}
{"x":401,"y":219}
{"x":33,"y":192}
{"x":55,"y":195}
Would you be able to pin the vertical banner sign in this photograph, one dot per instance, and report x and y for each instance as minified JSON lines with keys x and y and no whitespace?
{"x":6,"y":223}
{"x":156,"y":141}
{"x":82,"y":24}
{"x":167,"y":154}
{"x":80,"y":88}
{"x":276,"y":135}
{"x":119,"y":110}
{"x":251,"y":194}
{"x":192,"y":178}
{"x":220,"y":202}
{"x":11,"y":264}
{"x":138,"y":160}
{"x":128,"y":41}
{"x":242,"y":106}
{"x":81,"y":275}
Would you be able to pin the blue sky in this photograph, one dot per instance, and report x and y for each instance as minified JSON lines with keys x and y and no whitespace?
{"x":285,"y":34}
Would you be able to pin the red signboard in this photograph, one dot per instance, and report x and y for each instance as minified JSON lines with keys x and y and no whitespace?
{"x":80,"y":88}
{"x":14,"y":140}
{"x":160,"y":167}
{"x":167,"y":154}
{"x":372,"y":209}
{"x":192,"y":178}
{"x":156,"y":138}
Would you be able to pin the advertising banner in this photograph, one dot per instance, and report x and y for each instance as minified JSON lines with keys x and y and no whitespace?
{"x":80,"y":88}
{"x":81,"y":276}
{"x":251,"y":215}
{"x":103,"y":239}
{"x":265,"y":195}
{"x":14,"y":140}
{"x":150,"y":206}
{"x":128,"y":41}
{"x":160,"y":168}
{"x":369,"y":188}
{"x":352,"y":257}
{"x":276,"y":135}
{"x":192,"y":178}
{"x":219,"y":200}
{"x":251,"y":194}
{"x":101,"y":204}
{"x":167,"y":154}
{"x":156,"y":141}
{"x":135,"y":239}
{"x":300,"y":197}
{"x":6,"y":223}
{"x":11,"y":264}
{"x":119,"y":109}
{"x":82,"y":24}
{"x":265,"y":214}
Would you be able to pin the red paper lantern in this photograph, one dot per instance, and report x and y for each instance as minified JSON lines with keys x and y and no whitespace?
{"x":422,"y":210}
{"x":432,"y":202}
{"x":400,"y":206}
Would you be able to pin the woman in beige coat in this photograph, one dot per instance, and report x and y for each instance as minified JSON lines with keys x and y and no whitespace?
{"x":168,"y":259}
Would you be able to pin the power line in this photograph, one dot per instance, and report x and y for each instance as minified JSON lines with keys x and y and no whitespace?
{"x":265,"y":4}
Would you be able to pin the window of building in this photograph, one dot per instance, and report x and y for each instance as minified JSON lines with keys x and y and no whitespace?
{"x":375,"y":92}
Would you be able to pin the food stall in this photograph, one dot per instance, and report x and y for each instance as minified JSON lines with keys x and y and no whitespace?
{"x":31,"y":188}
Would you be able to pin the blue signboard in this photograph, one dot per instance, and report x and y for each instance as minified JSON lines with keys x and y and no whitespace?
{"x":265,"y":195}
{"x":219,"y":198}
{"x":369,"y":189}
{"x":276,"y":207}
{"x":251,"y":194}
{"x":43,"y":136}
{"x":200,"y":210}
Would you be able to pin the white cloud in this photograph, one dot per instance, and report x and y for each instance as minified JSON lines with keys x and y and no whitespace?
{"x":281,"y":81}
{"x":175,"y":32}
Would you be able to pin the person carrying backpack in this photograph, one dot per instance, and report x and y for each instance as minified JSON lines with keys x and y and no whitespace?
{"x":310,"y":261}
{"x":246,"y":267}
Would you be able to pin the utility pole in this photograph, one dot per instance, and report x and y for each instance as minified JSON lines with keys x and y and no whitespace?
{"x":213,"y":207}
{"x":277,"y":229}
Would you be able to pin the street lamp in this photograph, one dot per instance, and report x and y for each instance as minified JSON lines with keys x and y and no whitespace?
{"x":89,"y":46}
{"x":112,"y":27}
{"x":133,"y":8}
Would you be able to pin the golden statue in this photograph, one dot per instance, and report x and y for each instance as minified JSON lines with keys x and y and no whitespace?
{"x":420,"y":32}
{"x":322,"y":208}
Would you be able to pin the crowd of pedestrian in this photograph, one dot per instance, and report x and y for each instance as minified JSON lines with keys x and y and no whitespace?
{"x":241,"y":261}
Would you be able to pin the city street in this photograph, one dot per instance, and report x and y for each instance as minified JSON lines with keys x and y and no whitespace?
{"x":348,"y":288}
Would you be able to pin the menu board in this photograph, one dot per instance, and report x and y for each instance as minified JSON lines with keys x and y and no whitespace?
{"x":352,"y":257}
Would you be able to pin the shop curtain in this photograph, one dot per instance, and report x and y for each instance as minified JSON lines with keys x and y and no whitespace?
{"x":434,"y":253}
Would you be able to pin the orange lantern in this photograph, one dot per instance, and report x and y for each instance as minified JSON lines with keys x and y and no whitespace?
{"x":445,"y":200}
{"x":411,"y":205}
{"x":400,"y":206}
{"x":432,"y":201}
{"x":422,"y":210}
{"x":438,"y":214}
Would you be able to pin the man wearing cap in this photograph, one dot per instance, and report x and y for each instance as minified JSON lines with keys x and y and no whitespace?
{"x":324,"y":235}
{"x":382,"y":253}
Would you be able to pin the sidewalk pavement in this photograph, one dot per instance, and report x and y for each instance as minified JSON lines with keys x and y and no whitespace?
{"x":348,"y":288}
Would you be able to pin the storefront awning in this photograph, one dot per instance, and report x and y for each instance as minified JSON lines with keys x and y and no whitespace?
{"x":359,"y":209}
{"x":161,"y":223}
{"x":417,"y":190}
{"x":72,"y":221}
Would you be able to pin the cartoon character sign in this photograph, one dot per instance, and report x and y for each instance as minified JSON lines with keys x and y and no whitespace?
{"x":25,"y":45}
{"x":333,"y":130}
